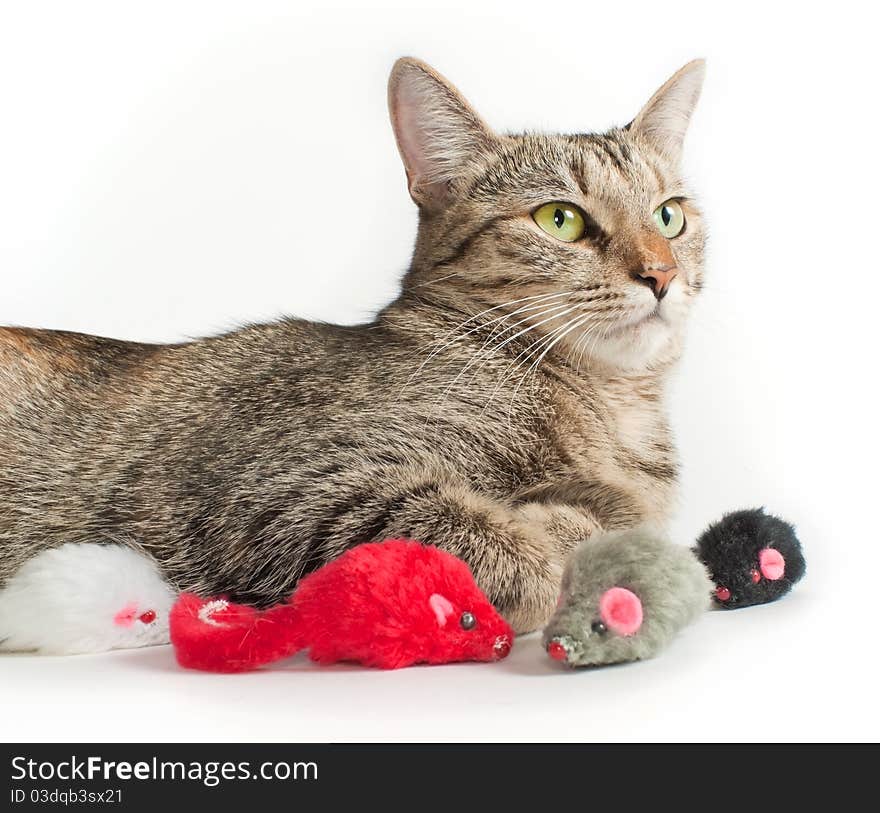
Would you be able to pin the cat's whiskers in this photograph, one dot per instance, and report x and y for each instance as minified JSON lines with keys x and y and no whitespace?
{"x":588,"y":306}
{"x":598,"y":336}
{"x":539,"y":306}
{"x":448,"y":389}
{"x":438,"y":279}
{"x":581,"y":346}
{"x":451,"y":336}
{"x":571,"y":325}
{"x":543,"y":310}
{"x":448,"y":339}
{"x":592,"y":337}
{"x":443,"y":339}
{"x":545,"y":344}
{"x":481,"y":351}
{"x":528,"y":352}
{"x":608,"y":324}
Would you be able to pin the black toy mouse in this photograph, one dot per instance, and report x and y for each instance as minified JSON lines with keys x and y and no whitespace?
{"x":752,"y":557}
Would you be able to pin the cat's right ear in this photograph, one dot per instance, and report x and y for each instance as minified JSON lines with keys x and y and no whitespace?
{"x":438,"y":133}
{"x":664,"y":120}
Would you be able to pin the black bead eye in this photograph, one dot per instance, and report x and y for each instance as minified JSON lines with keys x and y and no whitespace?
{"x":467,"y":621}
{"x":598,"y":627}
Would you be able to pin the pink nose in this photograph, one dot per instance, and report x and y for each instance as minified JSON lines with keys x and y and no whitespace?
{"x":658,"y":278}
{"x":621,"y":610}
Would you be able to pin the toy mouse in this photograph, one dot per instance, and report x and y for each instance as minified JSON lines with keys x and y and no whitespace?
{"x":753,"y":557}
{"x":84,"y":597}
{"x":385,"y":604}
{"x":624,"y":596}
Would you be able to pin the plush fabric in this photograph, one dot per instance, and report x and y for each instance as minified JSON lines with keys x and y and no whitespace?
{"x":625,"y":594}
{"x":84,"y":597}
{"x":752,"y":557}
{"x":387,"y":604}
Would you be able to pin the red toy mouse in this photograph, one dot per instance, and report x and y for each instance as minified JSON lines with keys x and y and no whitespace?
{"x":386,"y":604}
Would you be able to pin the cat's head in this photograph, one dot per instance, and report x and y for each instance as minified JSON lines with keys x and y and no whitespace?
{"x":591,"y":242}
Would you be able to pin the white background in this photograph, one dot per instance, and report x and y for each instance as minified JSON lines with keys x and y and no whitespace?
{"x":173,"y":169}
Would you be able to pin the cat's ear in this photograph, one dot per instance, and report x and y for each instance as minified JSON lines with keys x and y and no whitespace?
{"x":438,"y":133}
{"x":663,"y":121}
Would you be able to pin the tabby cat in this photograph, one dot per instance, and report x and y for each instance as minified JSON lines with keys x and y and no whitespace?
{"x":508,"y":404}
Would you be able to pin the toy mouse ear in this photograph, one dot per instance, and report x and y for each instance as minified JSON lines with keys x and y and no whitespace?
{"x":772,"y":564}
{"x":442,"y":608}
{"x":621,"y":610}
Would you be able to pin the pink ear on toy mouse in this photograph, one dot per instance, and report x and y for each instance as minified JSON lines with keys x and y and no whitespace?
{"x":442,"y":608}
{"x":772,"y":564}
{"x":621,"y":610}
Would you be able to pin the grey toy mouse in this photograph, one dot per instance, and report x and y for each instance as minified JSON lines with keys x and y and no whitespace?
{"x":625,"y":594}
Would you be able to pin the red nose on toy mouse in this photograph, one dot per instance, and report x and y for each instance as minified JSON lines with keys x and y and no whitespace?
{"x":385,"y":604}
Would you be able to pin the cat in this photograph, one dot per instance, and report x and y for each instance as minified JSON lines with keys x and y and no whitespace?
{"x":506,"y":406}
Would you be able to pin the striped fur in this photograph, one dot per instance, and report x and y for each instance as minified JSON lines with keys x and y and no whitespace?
{"x":507,"y":405}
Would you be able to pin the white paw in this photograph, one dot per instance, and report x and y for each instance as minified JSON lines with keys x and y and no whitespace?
{"x":84,"y":598}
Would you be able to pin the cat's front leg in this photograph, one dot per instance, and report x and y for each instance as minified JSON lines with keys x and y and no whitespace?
{"x":517,"y":552}
{"x":567,"y":525}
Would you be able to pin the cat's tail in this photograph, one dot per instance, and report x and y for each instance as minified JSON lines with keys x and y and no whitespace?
{"x":219,"y":636}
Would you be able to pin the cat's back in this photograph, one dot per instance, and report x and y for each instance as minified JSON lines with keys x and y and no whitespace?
{"x":61,"y":367}
{"x":90,"y":427}
{"x":33,"y":360}
{"x":68,"y":397}
{"x":50,"y":380}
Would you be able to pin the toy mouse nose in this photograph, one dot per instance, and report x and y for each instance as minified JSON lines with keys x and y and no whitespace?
{"x":657,"y":278}
{"x":621,"y":610}
{"x":502,"y":646}
{"x":556,"y":650}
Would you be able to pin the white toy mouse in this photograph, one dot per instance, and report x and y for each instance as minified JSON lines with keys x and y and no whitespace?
{"x":85,"y":597}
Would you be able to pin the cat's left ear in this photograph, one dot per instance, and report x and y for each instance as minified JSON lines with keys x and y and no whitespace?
{"x":438,"y":133}
{"x":663,"y":121}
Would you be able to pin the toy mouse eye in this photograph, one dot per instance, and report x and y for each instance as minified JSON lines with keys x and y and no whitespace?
{"x":755,"y":574}
{"x":598,"y":627}
{"x":148,"y":617}
{"x":467,"y":621}
{"x":722,"y":593}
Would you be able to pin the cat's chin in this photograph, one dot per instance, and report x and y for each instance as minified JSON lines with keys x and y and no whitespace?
{"x":639,"y":344}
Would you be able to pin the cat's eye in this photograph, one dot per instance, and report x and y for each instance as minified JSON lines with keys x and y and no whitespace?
{"x":561,"y":220}
{"x":669,"y":217}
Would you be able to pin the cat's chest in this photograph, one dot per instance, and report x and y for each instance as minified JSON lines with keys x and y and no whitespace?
{"x":619,"y":436}
{"x":637,"y":424}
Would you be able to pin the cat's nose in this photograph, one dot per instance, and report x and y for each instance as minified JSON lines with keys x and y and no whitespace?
{"x":657,"y":278}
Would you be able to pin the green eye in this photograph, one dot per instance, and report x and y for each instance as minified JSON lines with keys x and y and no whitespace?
{"x":670,"y":218}
{"x":561,"y":220}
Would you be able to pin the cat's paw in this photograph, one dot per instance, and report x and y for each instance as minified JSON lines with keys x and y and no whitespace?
{"x":624,"y":596}
{"x":536,"y":598}
{"x":84,"y":598}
